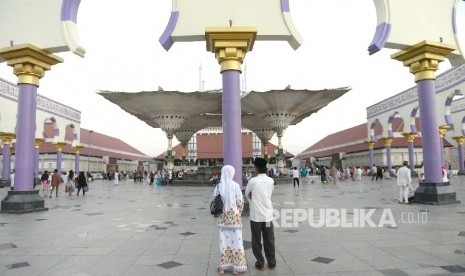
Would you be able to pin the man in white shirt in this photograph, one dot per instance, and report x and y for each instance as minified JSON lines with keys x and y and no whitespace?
{"x":295,"y":176}
{"x":374,"y":172}
{"x":258,"y":191}
{"x":404,"y":180}
{"x":12,"y":179}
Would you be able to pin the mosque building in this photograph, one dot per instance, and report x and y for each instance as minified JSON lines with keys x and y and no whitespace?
{"x":59,"y":135}
{"x":392,"y":133}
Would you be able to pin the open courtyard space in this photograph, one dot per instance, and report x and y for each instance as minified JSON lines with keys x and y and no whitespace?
{"x":136,"y":229}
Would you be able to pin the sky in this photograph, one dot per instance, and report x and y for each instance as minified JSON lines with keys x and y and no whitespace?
{"x":123,"y":54}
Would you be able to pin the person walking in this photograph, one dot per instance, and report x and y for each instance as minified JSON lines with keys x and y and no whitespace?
{"x":44,"y":180}
{"x":333,"y":173}
{"x":404,"y":181}
{"x":258,"y":191}
{"x":232,"y":254}
{"x":304,"y":175}
{"x":81,"y":183}
{"x":70,"y":183}
{"x":12,"y":180}
{"x":379,"y":173}
{"x":55,"y":182}
{"x":295,"y":176}
{"x":116,"y":180}
{"x":374,"y":173}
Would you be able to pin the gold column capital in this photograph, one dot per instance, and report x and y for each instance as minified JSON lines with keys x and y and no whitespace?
{"x":410,"y":136}
{"x":443,"y":129}
{"x":7,"y":137}
{"x":459,"y":139}
{"x":77,"y":149}
{"x":60,"y":146}
{"x":230,"y":45}
{"x":387,"y":141}
{"x":371,"y":144}
{"x":423,"y":58}
{"x":38,"y":142}
{"x":29,"y":62}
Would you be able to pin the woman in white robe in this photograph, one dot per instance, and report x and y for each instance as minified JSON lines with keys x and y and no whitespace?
{"x":232,"y":254}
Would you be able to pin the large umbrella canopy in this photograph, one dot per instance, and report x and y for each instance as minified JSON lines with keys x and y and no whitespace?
{"x":195,"y":123}
{"x":183,"y":113}
{"x":167,"y":110}
{"x":281,"y":108}
{"x":259,"y":126}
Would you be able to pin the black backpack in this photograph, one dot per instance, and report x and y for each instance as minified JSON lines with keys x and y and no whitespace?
{"x":216,"y":206}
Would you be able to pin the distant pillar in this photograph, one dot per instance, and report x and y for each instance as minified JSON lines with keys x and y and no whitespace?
{"x":38,"y":142}
{"x":442,"y":133}
{"x":29,"y":64}
{"x":265,"y":149}
{"x":59,"y":147}
{"x":77,"y":159}
{"x":460,"y":140}
{"x":170,"y":154}
{"x":371,"y":146}
{"x":184,"y":160}
{"x":423,"y":60}
{"x":230,"y":46}
{"x":411,"y":158}
{"x":280,"y":157}
{"x":7,"y":139}
{"x":387,"y":145}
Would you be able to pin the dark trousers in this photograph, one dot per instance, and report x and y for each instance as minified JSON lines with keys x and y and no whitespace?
{"x":79,"y":189}
{"x":265,"y":229}
{"x":296,"y":180}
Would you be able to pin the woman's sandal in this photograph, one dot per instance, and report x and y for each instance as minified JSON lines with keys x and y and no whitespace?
{"x":219,"y":271}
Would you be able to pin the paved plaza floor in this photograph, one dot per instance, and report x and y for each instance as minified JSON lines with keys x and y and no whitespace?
{"x":135,"y":229}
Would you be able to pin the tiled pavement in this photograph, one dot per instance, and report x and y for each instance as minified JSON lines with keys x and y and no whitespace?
{"x":134,"y":229}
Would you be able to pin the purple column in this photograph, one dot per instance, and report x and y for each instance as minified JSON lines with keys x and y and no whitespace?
{"x":76,"y":162}
{"x":59,"y":156}
{"x":411,"y":159}
{"x":6,"y":166}
{"x":36,"y":161}
{"x":25,"y":137}
{"x":388,"y":156}
{"x":232,"y":136}
{"x":372,"y":159}
{"x":460,"y":149}
{"x":441,"y":144}
{"x":429,"y":131}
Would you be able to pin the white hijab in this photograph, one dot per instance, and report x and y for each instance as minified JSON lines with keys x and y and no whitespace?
{"x":229,"y":189}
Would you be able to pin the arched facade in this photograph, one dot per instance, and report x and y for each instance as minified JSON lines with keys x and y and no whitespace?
{"x":451,"y":113}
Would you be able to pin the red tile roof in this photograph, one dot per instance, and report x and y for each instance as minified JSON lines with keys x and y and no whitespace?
{"x":112,"y":147}
{"x":210,"y":146}
{"x":352,"y":140}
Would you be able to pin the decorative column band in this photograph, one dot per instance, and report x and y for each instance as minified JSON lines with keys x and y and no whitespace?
{"x":423,"y":58}
{"x":77,"y":149}
{"x":230,"y":45}
{"x":459,"y":139}
{"x":387,"y":141}
{"x":409,"y":136}
{"x":29,"y":62}
{"x":7,"y":138}
{"x":12,"y":150}
{"x":371,"y":145}
{"x":38,"y":142}
{"x":443,"y":129}
{"x":60,"y":146}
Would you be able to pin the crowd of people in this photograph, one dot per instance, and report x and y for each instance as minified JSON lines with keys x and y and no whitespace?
{"x":70,"y":180}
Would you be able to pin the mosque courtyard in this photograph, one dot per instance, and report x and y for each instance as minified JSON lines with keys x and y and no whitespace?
{"x":136,"y":229}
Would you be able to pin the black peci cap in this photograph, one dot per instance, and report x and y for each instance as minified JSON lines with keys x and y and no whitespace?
{"x":260,"y":162}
